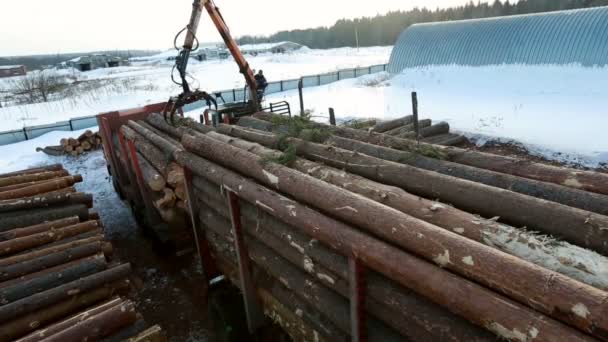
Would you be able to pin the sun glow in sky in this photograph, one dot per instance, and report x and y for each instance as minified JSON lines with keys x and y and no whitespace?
{"x":60,"y":26}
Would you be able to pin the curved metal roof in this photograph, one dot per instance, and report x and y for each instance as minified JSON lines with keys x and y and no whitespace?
{"x":564,"y":37}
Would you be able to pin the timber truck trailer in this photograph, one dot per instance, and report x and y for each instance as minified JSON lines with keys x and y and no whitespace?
{"x":345,"y":238}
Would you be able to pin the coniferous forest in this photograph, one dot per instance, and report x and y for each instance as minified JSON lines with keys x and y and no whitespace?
{"x":385,"y":29}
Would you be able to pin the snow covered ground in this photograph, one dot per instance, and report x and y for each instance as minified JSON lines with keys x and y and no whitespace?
{"x":149,"y":81}
{"x":559,"y":112}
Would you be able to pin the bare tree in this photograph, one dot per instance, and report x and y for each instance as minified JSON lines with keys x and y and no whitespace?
{"x":37,"y":86}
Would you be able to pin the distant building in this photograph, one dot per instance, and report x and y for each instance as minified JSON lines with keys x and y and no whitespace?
{"x":280,"y":47}
{"x":97,"y":61}
{"x":12,"y":70}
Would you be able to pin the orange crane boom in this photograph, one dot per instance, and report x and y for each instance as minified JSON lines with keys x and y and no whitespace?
{"x":189,"y":96}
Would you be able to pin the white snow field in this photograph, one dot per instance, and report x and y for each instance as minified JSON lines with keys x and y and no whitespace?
{"x":149,"y":81}
{"x":559,"y":112}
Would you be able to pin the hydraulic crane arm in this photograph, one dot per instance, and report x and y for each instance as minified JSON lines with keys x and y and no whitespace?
{"x":181,"y":63}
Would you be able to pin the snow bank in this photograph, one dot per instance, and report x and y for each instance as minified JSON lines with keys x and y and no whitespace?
{"x":556,"y":111}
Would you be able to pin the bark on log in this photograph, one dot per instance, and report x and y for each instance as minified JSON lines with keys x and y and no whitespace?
{"x":409,"y":128}
{"x":20,"y":258}
{"x":95,"y":327}
{"x":39,"y":228}
{"x":440,"y":128}
{"x":68,"y":190}
{"x":54,"y":295}
{"x":30,"y":241}
{"x":12,"y":271}
{"x":13,"y":290}
{"x":152,"y":154}
{"x":449,"y":139}
{"x":400,"y":308}
{"x":164,"y":145}
{"x":462,"y":297}
{"x":330,"y":304}
{"x":183,"y":125}
{"x":46,"y":200}
{"x":41,"y":334}
{"x":52,"y":167}
{"x":574,"y":225}
{"x":152,"y":177}
{"x":158,"y":132}
{"x":584,"y":200}
{"x":25,"y":324}
{"x":392,"y":124}
{"x":578,"y":179}
{"x":42,"y":187}
{"x":526,"y":282}
{"x":25,"y":218}
{"x":34,"y":177}
{"x":578,"y":263}
{"x":52,"y":150}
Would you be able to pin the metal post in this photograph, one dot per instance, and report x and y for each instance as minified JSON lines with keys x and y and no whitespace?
{"x":300,"y":92}
{"x":25,"y":134}
{"x":356,"y":280}
{"x":202,"y":246}
{"x":281,"y":85}
{"x":338,"y":75}
{"x":415,"y":113}
{"x":319,"y":79}
{"x":71,"y":126}
{"x":255,"y":315}
{"x":332,"y":117}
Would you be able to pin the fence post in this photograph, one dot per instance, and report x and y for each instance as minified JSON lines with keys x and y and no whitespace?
{"x":319,"y":79}
{"x":355,"y":69}
{"x":370,"y":70}
{"x":415,"y":113}
{"x":281,"y":85}
{"x":332,"y":117}
{"x":338,"y":75}
{"x":25,"y":134}
{"x":71,"y":127}
{"x":300,"y":93}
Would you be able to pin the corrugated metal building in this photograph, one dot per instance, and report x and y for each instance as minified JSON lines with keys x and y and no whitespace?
{"x":564,"y":37}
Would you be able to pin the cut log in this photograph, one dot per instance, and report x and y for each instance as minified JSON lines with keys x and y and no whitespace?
{"x":409,"y":128}
{"x":400,"y":309}
{"x":152,"y":334}
{"x":34,"y":265}
{"x":16,"y":289}
{"x":180,"y":191}
{"x":30,"y":217}
{"x":73,"y":142}
{"x":86,"y":135}
{"x":69,"y":149}
{"x":86,"y":145}
{"x":437,"y":129}
{"x":152,"y":154}
{"x":46,"y":200}
{"x":392,"y":124}
{"x":20,"y":244}
{"x":52,"y":167}
{"x":578,"y":179}
{"x":57,"y":294}
{"x":42,"y":187}
{"x":448,"y":139}
{"x":95,"y":327}
{"x":75,"y":319}
{"x":175,"y":175}
{"x":526,"y":282}
{"x":52,"y":150}
{"x":152,"y":177}
{"x":64,"y":142}
{"x":25,"y":324}
{"x":255,"y":123}
{"x":463,"y":297}
{"x":20,"y":258}
{"x":585,"y":200}
{"x":167,"y":201}
{"x":17,"y":182}
{"x":559,"y":256}
{"x":38,"y":228}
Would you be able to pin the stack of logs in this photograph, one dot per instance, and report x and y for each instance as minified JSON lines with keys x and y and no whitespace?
{"x":447,"y":236}
{"x":57,"y":279}
{"x":87,"y":141}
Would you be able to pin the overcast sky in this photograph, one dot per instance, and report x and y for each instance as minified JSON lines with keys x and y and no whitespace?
{"x":59,"y":26}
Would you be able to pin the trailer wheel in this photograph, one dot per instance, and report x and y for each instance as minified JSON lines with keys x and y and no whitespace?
{"x":227,"y":314}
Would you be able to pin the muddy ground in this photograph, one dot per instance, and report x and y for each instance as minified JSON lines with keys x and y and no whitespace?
{"x":168,"y":289}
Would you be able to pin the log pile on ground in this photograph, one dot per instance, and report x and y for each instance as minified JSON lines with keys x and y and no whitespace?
{"x":58,"y":281}
{"x":86,"y":142}
{"x":457,"y":245}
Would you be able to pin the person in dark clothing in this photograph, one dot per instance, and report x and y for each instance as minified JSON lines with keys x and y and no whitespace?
{"x":261,"y":83}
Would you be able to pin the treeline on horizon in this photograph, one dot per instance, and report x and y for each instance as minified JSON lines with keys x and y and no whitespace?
{"x":385,"y":29}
